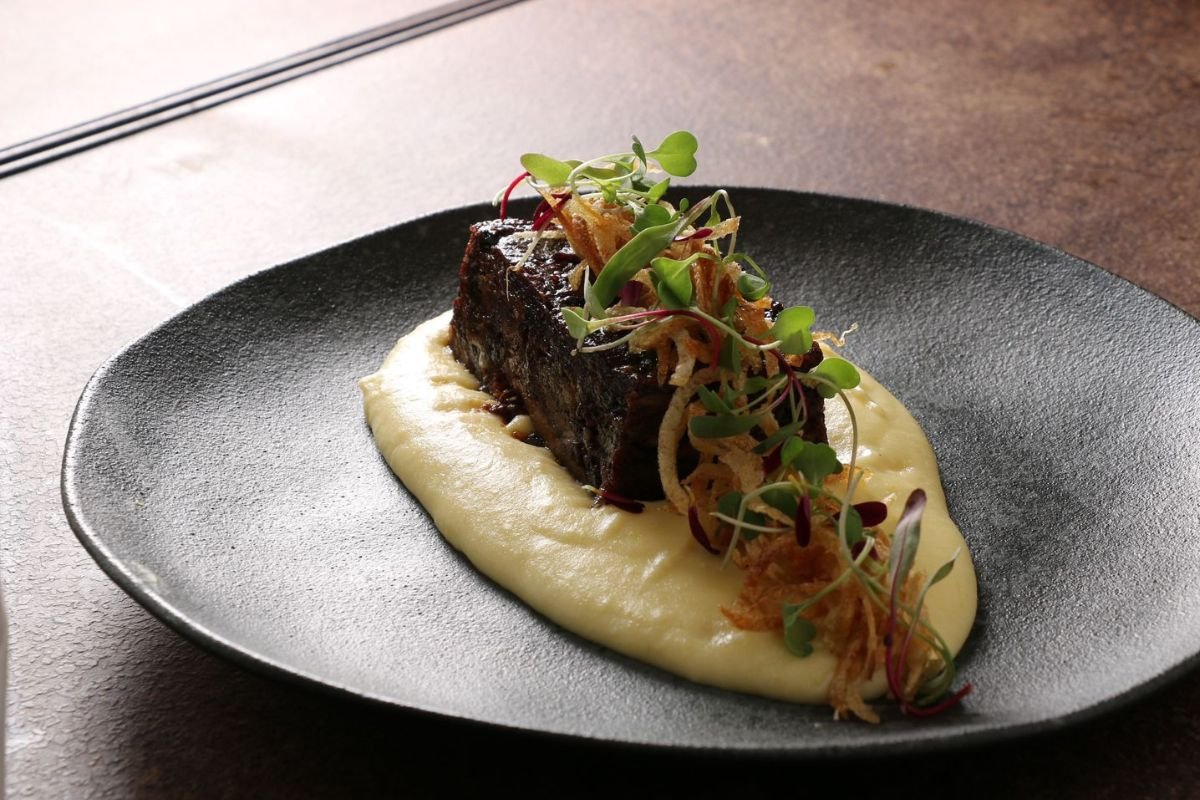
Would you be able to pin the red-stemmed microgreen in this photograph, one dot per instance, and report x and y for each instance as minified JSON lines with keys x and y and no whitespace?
{"x":631,"y":293}
{"x":702,"y":233}
{"x":698,"y":532}
{"x":932,"y":697}
{"x":614,"y":499}
{"x":506,"y":193}
{"x":803,"y":520}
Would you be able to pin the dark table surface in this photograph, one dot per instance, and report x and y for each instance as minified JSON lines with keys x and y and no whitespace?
{"x":1074,"y":123}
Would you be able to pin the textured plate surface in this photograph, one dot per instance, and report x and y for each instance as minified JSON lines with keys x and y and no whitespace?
{"x":219,"y":470}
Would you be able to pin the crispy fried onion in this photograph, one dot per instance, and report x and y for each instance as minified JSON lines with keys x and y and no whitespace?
{"x":850,"y":622}
{"x":670,"y":432}
{"x":597,"y":230}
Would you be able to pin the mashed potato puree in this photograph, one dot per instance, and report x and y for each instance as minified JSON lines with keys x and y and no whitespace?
{"x":637,"y":583}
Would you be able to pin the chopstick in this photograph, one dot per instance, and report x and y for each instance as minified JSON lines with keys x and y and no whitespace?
{"x":126,"y":122}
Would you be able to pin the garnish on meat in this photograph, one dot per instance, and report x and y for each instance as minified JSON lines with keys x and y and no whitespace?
{"x":653,"y":362}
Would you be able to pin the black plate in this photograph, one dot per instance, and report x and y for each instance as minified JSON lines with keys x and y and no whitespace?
{"x":220,"y":471}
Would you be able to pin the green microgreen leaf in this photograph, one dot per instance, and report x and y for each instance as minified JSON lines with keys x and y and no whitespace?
{"x":604,"y":174}
{"x":792,"y":329}
{"x":798,"y":632}
{"x":944,"y":570}
{"x":728,"y":309}
{"x":590,"y":302}
{"x":816,"y":461}
{"x":639,"y":150}
{"x":656,"y":192}
{"x":791,"y":450}
{"x":838,"y":371}
{"x":854,"y":526}
{"x":712,"y":401}
{"x":719,"y":427}
{"x":753,"y":287}
{"x":667,"y":297}
{"x":714,"y":217}
{"x":677,"y":154}
{"x":731,"y":355}
{"x":546,"y":169}
{"x":756,"y":384}
{"x":577,"y":323}
{"x":650,"y":216}
{"x":775,"y":439}
{"x":782,"y":499}
{"x":634,"y":255}
{"x":730,"y":504}
{"x":745,"y":257}
{"x":674,"y":281}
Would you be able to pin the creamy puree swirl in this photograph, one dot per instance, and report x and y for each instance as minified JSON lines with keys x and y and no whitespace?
{"x":636,"y":583}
